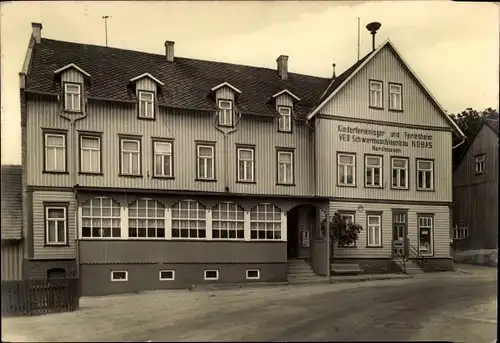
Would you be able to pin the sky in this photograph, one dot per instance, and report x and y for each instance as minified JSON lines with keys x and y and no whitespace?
{"x":452,"y":47}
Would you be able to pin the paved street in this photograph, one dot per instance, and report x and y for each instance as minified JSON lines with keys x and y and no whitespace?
{"x":459,"y":307}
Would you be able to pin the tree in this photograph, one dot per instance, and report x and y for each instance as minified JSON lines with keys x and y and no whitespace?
{"x":342,"y":231}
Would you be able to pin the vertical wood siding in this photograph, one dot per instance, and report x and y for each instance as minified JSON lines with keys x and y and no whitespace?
{"x":441,"y":229}
{"x":225,"y":93}
{"x":12,"y":261}
{"x":476,"y":196}
{"x":284,"y":100}
{"x":146,"y":84}
{"x":329,"y":142}
{"x":72,"y":75}
{"x":184,"y":127}
{"x":52,"y":252}
{"x":386,"y":67}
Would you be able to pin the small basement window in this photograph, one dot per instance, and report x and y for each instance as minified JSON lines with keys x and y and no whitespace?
{"x":212,"y":274}
{"x":119,"y":275}
{"x":167,"y":275}
{"x":253,"y":274}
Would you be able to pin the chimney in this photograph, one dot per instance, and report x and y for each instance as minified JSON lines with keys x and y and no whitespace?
{"x":333,"y":76}
{"x":37,"y":32}
{"x":373,"y":28}
{"x":283,"y":66}
{"x":169,"y":50}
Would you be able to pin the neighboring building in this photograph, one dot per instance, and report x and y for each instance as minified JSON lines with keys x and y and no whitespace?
{"x":12,"y":222}
{"x":475,"y":194}
{"x":149,"y":171}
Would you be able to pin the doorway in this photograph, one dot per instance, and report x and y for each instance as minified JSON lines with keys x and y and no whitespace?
{"x":292,"y":240}
{"x":399,"y":234}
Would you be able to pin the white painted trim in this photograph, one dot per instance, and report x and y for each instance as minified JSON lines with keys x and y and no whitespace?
{"x":79,"y":214}
{"x":147,"y":75}
{"x":123,"y":223}
{"x":166,"y":270}
{"x":210,"y":270}
{"x":168,"y":223}
{"x":246,"y":226}
{"x":71,"y":65}
{"x":250,"y":277}
{"x":65,"y":220}
{"x":119,"y":271}
{"x":288,"y":92}
{"x":365,"y":62}
{"x":226,"y":84}
{"x":208,"y":225}
{"x":284,"y":231}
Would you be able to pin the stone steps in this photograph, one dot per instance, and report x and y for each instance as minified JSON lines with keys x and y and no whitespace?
{"x":299,"y":271}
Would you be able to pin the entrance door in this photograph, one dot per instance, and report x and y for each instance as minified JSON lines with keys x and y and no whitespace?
{"x":292,"y":233}
{"x":399,"y":234}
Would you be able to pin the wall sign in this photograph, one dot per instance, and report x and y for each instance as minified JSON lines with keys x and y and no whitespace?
{"x":305,"y":238}
{"x":384,"y":141}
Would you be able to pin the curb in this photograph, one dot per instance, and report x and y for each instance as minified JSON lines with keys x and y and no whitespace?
{"x":230,"y":286}
{"x":370,"y":278}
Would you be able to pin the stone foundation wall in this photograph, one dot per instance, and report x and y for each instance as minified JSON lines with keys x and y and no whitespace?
{"x":39,"y":268}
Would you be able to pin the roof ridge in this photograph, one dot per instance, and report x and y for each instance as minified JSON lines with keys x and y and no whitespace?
{"x":181,"y":57}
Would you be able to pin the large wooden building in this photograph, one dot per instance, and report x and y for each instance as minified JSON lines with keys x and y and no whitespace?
{"x":149,"y":171}
{"x":475,"y":193}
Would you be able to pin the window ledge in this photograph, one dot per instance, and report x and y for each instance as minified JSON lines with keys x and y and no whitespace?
{"x":55,"y":172}
{"x":205,"y":180}
{"x":130,"y":175}
{"x":394,"y":110}
{"x":425,"y":190}
{"x":374,"y":187}
{"x":71,"y":111}
{"x":375,"y":108}
{"x":400,"y":188}
{"x":285,"y":184}
{"x":283,"y":131}
{"x":146,"y":118}
{"x":374,"y":246}
{"x":163,"y":177}
{"x":340,"y":185}
{"x":248,"y":182}
{"x":59,"y":245}
{"x":91,"y":174}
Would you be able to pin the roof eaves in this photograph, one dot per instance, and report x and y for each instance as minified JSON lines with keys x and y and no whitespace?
{"x":71,"y":65}
{"x":149,"y":76}
{"x":226,"y":84}
{"x":288,"y":92}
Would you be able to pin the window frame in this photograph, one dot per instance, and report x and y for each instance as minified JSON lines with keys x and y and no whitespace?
{"x":432,"y":176}
{"x":56,"y":206}
{"x":138,"y":140}
{"x":431,"y":236}
{"x":211,"y":158}
{"x":64,"y":148}
{"x":479,"y":163}
{"x":380,"y":166}
{"x":146,"y":102}
{"x":89,"y":135}
{"x":380,"y":230}
{"x":77,"y":94}
{"x":266,"y":221}
{"x":113,"y":204}
{"x":166,"y":279}
{"x":370,"y":96}
{"x":223,"y":207}
{"x":147,"y":219}
{"x":238,"y":161}
{"x":460,"y":228}
{"x":289,"y":121}
{"x":221,"y":112}
{"x":210,"y":278}
{"x":354,"y":156}
{"x":119,"y":271}
{"x":171,"y":156}
{"x":178,"y":208}
{"x":400,"y":85}
{"x":291,"y":152}
{"x":252,"y":270}
{"x":407,"y":178}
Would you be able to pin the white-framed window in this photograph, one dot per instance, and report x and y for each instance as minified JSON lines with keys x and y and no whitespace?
{"x":285,"y":119}
{"x":425,"y":175}
{"x":72,"y":97}
{"x":285,"y":167}
{"x":425,"y":227}
{"x":461,"y":231}
{"x":130,"y":152}
{"x":146,"y":104}
{"x":119,"y":275}
{"x":55,"y":152}
{"x":374,"y":231}
{"x":228,"y":221}
{"x":90,"y":154}
{"x":265,"y":222}
{"x":211,"y":274}
{"x":225,"y":112}
{"x":349,"y":218}
{"x":189,"y":220}
{"x":166,"y":275}
{"x":346,"y":171}
{"x":246,"y":164}
{"x":55,"y":225}
{"x":395,"y":96}
{"x":480,"y":164}
{"x":146,"y":219}
{"x":253,"y":274}
{"x":399,"y":172}
{"x":376,"y":94}
{"x":373,"y":171}
{"x":101,"y":218}
{"x":163,"y":159}
{"x":206,"y":161}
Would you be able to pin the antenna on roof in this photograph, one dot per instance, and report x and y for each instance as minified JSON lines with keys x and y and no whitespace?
{"x":373,"y":28}
{"x":106,"y":26}
{"x":359,"y":34}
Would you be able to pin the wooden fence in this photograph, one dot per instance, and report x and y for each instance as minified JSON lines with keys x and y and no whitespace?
{"x":39,"y":296}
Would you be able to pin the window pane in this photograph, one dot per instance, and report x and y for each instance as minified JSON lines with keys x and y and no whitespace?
{"x":88,"y":142}
{"x":373,"y":161}
{"x":163,"y":147}
{"x":284,"y":157}
{"x":205,"y":151}
{"x":424,"y":165}
{"x":399,"y":163}
{"x":343,"y":159}
{"x":146,"y":96}
{"x":52,"y":140}
{"x":55,"y":213}
{"x":245,"y":154}
{"x":51,"y":231}
{"x":130,"y":145}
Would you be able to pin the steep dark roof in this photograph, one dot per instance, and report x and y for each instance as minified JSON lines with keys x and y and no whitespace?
{"x":493,"y":124}
{"x":187,"y":81}
{"x":11,"y":201}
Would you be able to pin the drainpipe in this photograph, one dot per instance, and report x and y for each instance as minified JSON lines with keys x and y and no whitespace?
{"x":462,"y":142}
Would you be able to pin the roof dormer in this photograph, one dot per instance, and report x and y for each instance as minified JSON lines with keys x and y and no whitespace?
{"x":146,"y":88}
{"x":225,"y":96}
{"x":72,"y":79}
{"x":284,"y":102}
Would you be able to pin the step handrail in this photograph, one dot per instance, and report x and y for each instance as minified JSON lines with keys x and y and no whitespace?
{"x":416,"y":253}
{"x":399,"y":258}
